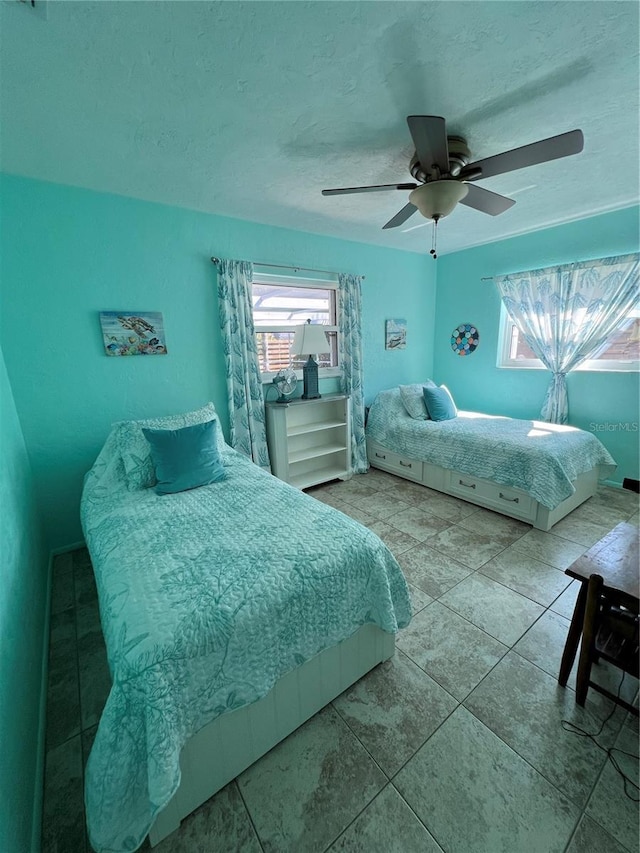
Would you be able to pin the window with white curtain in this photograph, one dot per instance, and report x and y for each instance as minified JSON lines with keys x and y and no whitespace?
{"x":621,"y":351}
{"x":282,"y":302}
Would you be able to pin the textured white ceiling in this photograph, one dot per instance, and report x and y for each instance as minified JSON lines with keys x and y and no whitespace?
{"x":250,"y":109}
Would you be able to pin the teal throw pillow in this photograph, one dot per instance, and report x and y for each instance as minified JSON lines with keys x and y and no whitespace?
{"x":439,"y":403}
{"x":135,"y":450}
{"x":185,"y":458}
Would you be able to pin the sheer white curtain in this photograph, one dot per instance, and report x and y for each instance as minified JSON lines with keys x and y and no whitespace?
{"x":566,"y":313}
{"x":244,"y":385}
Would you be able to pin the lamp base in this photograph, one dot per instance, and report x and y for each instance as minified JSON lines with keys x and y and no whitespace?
{"x":310,"y":378}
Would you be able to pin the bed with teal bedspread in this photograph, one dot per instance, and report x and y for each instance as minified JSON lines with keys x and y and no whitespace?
{"x":539,"y":458}
{"x":207,"y":598}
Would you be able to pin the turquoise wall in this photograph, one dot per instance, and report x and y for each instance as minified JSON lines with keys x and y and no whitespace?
{"x":23,"y":593}
{"x":70,"y":253}
{"x":477,"y":384}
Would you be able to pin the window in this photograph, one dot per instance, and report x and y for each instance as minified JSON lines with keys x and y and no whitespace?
{"x":620,"y":352}
{"x":280,"y":303}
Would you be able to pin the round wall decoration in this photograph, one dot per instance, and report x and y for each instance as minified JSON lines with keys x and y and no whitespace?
{"x":465,"y":339}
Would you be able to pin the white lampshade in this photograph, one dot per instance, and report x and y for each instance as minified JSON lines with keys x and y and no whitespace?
{"x":309,"y":339}
{"x":438,"y":198}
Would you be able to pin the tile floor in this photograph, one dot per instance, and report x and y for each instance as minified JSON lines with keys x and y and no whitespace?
{"x":454,"y":745}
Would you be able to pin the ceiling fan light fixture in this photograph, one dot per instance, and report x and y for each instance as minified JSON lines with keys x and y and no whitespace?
{"x":437,"y":199}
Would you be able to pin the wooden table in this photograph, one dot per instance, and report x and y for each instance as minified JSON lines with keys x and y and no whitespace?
{"x":608,"y":572}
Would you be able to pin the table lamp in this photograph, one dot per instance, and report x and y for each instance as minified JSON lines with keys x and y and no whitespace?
{"x":309,"y":340}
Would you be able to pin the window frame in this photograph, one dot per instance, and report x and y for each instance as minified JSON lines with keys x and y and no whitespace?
{"x":593,"y":365}
{"x":262,"y":275}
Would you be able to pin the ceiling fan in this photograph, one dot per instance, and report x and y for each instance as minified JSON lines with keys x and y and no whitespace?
{"x":444,"y":174}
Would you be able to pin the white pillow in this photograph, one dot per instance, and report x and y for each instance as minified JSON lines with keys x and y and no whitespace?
{"x":136,"y":451}
{"x":412,"y":397}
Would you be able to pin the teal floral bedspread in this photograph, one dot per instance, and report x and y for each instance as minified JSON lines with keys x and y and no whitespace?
{"x":206,"y":598}
{"x":540,"y":458}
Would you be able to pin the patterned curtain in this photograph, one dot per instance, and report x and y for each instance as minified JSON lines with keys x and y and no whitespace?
{"x":244,"y":386}
{"x":566,"y":314}
{"x":350,"y":357}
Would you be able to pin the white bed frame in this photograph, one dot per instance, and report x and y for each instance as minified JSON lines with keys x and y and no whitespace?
{"x":485,"y":493}
{"x":223,"y":749}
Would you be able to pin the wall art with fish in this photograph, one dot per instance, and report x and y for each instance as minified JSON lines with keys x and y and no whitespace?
{"x":133,"y":333}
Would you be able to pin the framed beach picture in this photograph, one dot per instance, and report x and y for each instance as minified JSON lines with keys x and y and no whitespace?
{"x":396,"y":334}
{"x":133,"y":333}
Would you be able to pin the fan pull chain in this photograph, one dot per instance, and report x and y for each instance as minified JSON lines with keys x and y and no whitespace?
{"x":434,"y":235}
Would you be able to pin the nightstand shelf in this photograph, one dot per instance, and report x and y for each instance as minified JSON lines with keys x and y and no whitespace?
{"x":310,"y":440}
{"x":307,"y":480}
{"x":302,"y":430}
{"x":313,"y":452}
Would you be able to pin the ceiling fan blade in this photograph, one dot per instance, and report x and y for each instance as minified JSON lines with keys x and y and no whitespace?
{"x":528,"y":155}
{"x":486,"y":201}
{"x":345,"y":190}
{"x":429,"y":134}
{"x":401,"y":216}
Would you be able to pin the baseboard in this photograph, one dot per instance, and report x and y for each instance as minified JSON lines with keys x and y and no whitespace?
{"x":66,"y":548}
{"x":38,"y":793}
{"x":611,"y":483}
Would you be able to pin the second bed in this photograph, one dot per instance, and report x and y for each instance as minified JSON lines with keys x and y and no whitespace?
{"x":530,"y":470}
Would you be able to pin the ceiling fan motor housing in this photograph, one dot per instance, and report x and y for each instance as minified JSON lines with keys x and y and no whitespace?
{"x":459,"y":154}
{"x":459,"y":157}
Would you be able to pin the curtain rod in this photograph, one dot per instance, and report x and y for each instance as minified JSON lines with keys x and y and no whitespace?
{"x":216,"y":261}
{"x":556,"y":266}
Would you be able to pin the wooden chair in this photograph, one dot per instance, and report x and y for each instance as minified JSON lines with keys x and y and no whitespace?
{"x":610,"y":632}
{"x":606,"y":611}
